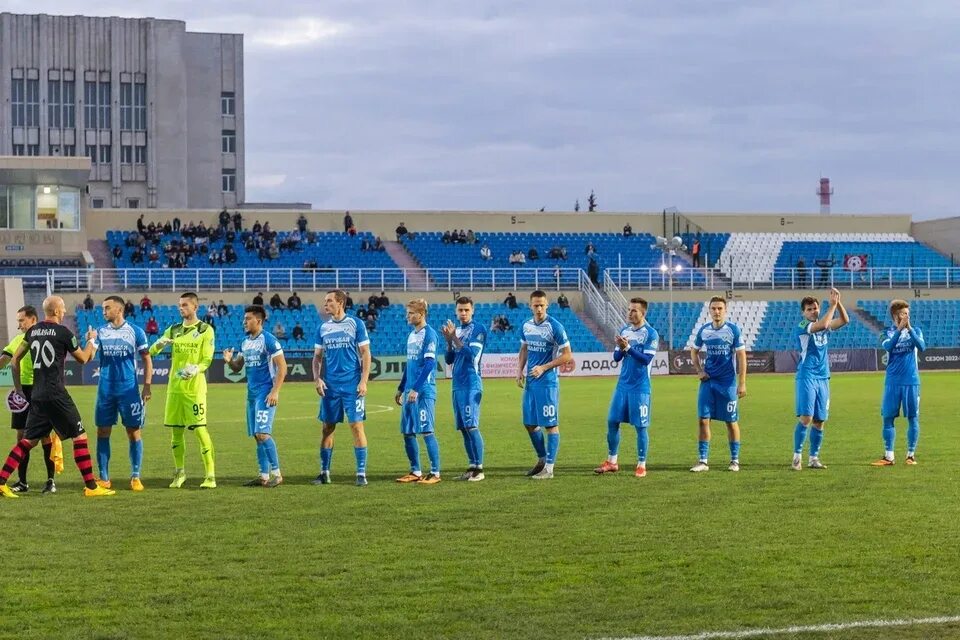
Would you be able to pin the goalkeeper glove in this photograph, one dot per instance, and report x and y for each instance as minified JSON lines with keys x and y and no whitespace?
{"x":188,"y":372}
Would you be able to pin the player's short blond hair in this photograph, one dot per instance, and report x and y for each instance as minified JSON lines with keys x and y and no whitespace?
{"x":418,"y":305}
{"x":896,"y":306}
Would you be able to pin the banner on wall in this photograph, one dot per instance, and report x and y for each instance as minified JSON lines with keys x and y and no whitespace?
{"x":841,"y":360}
{"x":929,"y":360}
{"x":597,"y":363}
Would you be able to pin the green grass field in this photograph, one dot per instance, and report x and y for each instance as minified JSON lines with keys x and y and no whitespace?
{"x":576,"y":557}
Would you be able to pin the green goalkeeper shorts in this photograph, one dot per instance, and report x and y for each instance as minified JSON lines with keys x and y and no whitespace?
{"x":185,"y":411}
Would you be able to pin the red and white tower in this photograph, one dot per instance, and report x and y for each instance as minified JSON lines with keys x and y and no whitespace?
{"x":825,"y":192}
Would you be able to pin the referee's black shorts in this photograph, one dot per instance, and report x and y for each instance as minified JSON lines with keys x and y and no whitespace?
{"x":58,"y":413}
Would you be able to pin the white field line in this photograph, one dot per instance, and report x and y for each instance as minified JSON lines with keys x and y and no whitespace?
{"x":816,"y":628}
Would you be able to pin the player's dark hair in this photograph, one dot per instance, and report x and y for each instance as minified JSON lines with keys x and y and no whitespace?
{"x":538,"y":294}
{"x":340,"y":295}
{"x":808,"y":300}
{"x":116,"y":299}
{"x":256,"y":310}
{"x":718,"y":299}
{"x":465,"y":300}
{"x":190,"y":295}
{"x":639,"y":301}
{"x":28,"y":310}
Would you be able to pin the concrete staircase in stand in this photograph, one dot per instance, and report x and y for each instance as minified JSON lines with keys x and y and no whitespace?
{"x":417,"y":278}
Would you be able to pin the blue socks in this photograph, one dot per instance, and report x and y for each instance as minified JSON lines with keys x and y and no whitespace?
{"x":799,"y":437}
{"x":889,"y":432}
{"x":433,"y":452}
{"x":643,"y":441}
{"x":136,"y":457}
{"x":473,"y":443}
{"x":613,"y":437}
{"x":553,"y":445}
{"x":536,"y":437}
{"x":412,"y":448}
{"x":103,"y":457}
{"x":816,"y":439}
{"x":468,"y":446}
{"x":913,"y":434}
{"x":360,"y":453}
{"x":326,"y":455}
{"x":263,"y":463}
{"x":703,"y":449}
{"x":734,"y":450}
{"x":270,"y":446}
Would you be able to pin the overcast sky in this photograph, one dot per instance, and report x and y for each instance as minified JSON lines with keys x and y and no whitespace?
{"x":700,"y":104}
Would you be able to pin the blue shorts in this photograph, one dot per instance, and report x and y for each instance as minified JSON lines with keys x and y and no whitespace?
{"x":541,"y":406}
{"x":630,"y":406}
{"x":466,"y":408}
{"x":718,"y":400}
{"x":334,"y":404}
{"x":259,"y":414}
{"x":417,"y":417}
{"x":128,"y":404}
{"x":901,"y":396}
{"x":813,"y":398}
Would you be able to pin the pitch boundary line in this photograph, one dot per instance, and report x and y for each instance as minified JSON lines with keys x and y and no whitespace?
{"x":815,"y":628}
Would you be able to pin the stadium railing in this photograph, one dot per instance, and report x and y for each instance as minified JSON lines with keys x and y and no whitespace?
{"x":813,"y":277}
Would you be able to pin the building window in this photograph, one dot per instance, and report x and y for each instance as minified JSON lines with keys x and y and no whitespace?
{"x":105,"y":154}
{"x":126,"y":106}
{"x":19,"y":150}
{"x":133,"y":203}
{"x":53,"y":104}
{"x":228,"y":141}
{"x":33,"y":149}
{"x":140,"y":154}
{"x":92,"y":153}
{"x":126,"y":154}
{"x":227,"y":107}
{"x":104,"y":105}
{"x":229,"y":180}
{"x":69,"y":150}
{"x":18,"y":100}
{"x":68,"y":99}
{"x":140,"y":106}
{"x":90,"y":104}
{"x":96,"y":203}
{"x":33,"y":103}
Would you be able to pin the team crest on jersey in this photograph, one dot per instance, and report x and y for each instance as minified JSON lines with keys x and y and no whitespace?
{"x":195,"y":334}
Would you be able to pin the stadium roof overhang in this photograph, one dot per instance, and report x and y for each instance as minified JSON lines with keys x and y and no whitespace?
{"x":67,"y":172}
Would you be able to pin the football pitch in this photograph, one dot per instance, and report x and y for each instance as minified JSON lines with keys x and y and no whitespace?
{"x":579,"y":556}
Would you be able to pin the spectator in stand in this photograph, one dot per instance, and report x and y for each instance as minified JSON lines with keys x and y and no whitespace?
{"x":532,"y":254}
{"x":383,"y":301}
{"x":257,"y":228}
{"x":117,"y":251}
{"x":348,"y":222}
{"x":372,"y":301}
{"x":485,"y":252}
{"x":302,"y":223}
{"x":222,"y":309}
{"x":224,"y":218}
{"x":88,"y":303}
{"x":172,"y":260}
{"x":371,"y":324}
{"x":273,"y":252}
{"x":462,"y":237}
{"x":212,"y":258}
{"x":801,"y":273}
{"x":146,"y":304}
{"x":294,"y":302}
{"x":373,"y":312}
{"x":153,"y":327}
{"x":362,"y":312}
{"x":276,"y":302}
{"x":129,"y":310}
{"x":310,"y":265}
{"x":237,"y":222}
{"x":378,"y":245}
{"x":258,"y":299}
{"x":695,"y":252}
{"x":279,"y":331}
{"x":349,"y":302}
{"x":250,"y":244}
{"x":495,"y":323}
{"x":212,"y":313}
{"x":141,"y":226}
{"x":154,"y":256}
{"x":593,"y":272}
{"x":176,"y":225}
{"x":510,"y":301}
{"x":589,"y":250}
{"x":297,"y":332}
{"x":446,"y":237}
{"x":402,"y":231}
{"x":562,"y":301}
{"x":230,"y":256}
{"x":167,"y":227}
{"x":352,"y":232}
{"x":365,"y":245}
{"x":471,"y":237}
{"x":627,"y":230}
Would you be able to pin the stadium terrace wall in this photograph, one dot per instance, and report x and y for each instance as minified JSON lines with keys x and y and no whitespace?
{"x":943,"y":235}
{"x":849,"y":296}
{"x":383,"y":223}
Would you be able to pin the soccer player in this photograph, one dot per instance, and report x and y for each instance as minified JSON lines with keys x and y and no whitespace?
{"x":901,"y":386}
{"x":417,"y":394}
{"x":51,"y":407}
{"x":117,"y":392}
{"x":341,"y":370}
{"x":723,"y":380}
{"x":637,"y":344}
{"x":266,"y":370}
{"x":544,"y":346}
{"x":813,"y":375}
{"x":464,"y":351}
{"x":192,"y":345}
{"x":19,"y":405}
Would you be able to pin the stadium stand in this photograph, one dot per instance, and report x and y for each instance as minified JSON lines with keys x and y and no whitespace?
{"x":783,"y":316}
{"x":939,"y":319}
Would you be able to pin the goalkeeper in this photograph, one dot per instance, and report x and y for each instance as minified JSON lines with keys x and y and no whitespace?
{"x":186,"y":406}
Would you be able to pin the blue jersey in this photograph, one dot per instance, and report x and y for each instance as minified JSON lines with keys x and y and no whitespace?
{"x":902,"y":348}
{"x":258,"y":354}
{"x":721,"y":345}
{"x":544,"y":341}
{"x":814,"y":363}
{"x":421,"y":345}
{"x":633,"y":375}
{"x":466,"y":361}
{"x":341,"y":341}
{"x":119,"y":347}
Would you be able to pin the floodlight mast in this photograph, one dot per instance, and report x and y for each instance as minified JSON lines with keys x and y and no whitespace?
{"x":668,"y":249}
